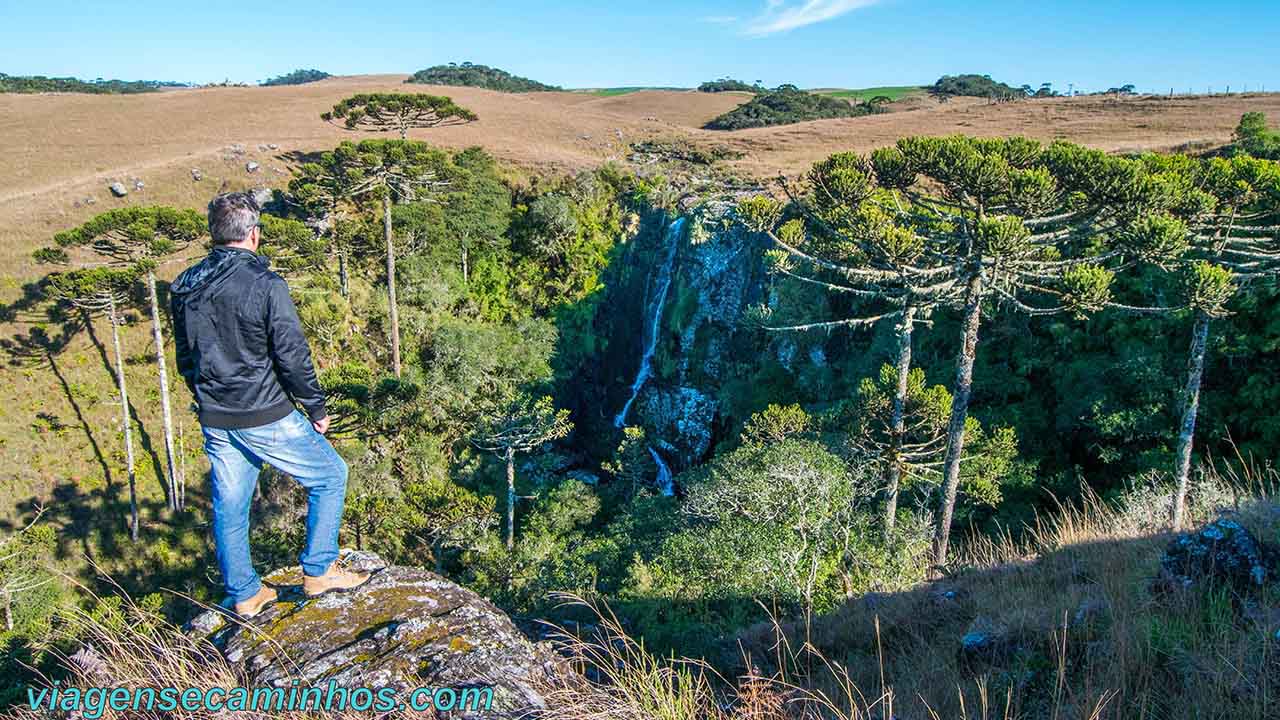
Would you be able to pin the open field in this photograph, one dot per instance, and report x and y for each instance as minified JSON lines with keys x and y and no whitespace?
{"x":893,"y":92}
{"x":60,"y":149}
{"x":621,"y":90}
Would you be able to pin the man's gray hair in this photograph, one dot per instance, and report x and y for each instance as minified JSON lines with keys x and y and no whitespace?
{"x":232,"y":216}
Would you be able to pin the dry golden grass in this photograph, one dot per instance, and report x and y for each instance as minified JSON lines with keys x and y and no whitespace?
{"x":57,"y":149}
{"x":1095,"y":640}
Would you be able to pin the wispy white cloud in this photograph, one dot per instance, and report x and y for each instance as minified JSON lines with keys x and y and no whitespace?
{"x":782,"y":15}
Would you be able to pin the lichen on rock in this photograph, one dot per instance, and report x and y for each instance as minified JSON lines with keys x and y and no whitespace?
{"x":1222,"y":552}
{"x":405,"y":628}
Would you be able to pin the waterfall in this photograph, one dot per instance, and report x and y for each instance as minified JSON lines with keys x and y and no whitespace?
{"x":665,"y":483}
{"x":653,"y":324}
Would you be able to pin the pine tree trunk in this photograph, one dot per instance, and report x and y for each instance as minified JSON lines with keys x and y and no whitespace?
{"x":392,"y":310}
{"x":176,"y":501}
{"x":464,"y":264}
{"x":894,"y":470}
{"x":959,"y":413}
{"x":511,"y":499}
{"x":344,"y":280}
{"x":124,"y":417}
{"x":1187,"y":430}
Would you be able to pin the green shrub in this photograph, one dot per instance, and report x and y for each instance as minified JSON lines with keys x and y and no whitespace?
{"x":785,"y":105}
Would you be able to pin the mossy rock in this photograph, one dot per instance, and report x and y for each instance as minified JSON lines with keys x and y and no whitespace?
{"x":406,"y":628}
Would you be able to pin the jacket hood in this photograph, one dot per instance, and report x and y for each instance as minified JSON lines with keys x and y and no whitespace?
{"x":216,"y":266}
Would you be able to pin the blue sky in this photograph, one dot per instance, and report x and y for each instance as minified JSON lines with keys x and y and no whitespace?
{"x":813,"y":43}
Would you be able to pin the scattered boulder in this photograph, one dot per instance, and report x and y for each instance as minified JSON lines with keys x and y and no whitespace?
{"x":272,"y":146}
{"x":263,"y":196}
{"x":1222,"y":552}
{"x":986,"y":642}
{"x":406,"y":627}
{"x":138,"y":185}
{"x":118,"y":189}
{"x":196,"y":174}
{"x":251,"y":167}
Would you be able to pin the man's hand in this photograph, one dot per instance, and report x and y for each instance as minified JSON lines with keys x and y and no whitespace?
{"x":321,"y":425}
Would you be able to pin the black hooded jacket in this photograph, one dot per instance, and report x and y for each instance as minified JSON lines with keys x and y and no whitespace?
{"x":239,"y":342}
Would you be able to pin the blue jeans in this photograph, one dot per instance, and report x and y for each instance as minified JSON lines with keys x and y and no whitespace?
{"x":292,"y":446}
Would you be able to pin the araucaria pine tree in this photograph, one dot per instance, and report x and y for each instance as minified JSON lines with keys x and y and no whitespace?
{"x":1225,"y":230}
{"x":387,"y":171}
{"x":140,"y":238}
{"x":105,"y":290}
{"x":401,"y":112}
{"x":964,"y":222}
{"x":846,"y":243}
{"x":523,"y":425}
{"x":324,"y":190}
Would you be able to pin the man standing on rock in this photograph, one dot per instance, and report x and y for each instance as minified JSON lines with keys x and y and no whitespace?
{"x":241,"y":350}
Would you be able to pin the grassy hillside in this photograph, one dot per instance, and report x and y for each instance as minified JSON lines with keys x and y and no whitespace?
{"x":627,"y":90}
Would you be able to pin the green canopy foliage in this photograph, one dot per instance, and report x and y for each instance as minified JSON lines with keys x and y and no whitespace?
{"x":973,"y":85}
{"x":482,"y":76}
{"x":380,"y":112}
{"x":730,"y":85}
{"x":297,"y":77}
{"x":788,"y":104}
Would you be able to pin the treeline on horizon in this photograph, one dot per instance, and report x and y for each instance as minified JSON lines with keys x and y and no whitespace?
{"x":41,"y":84}
{"x":297,"y":77}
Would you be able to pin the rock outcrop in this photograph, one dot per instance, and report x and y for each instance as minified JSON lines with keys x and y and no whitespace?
{"x":718,"y":274}
{"x":405,"y":628}
{"x":1222,"y":552}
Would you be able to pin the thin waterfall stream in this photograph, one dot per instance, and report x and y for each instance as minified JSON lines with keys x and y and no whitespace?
{"x":652,"y":328}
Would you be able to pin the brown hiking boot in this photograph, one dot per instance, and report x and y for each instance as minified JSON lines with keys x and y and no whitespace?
{"x":335,"y":578}
{"x":254,"y":605}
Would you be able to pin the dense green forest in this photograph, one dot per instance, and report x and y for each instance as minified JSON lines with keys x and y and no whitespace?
{"x":297,"y":77}
{"x":482,"y":76}
{"x":973,"y":85}
{"x":949,"y":335}
{"x":40,"y":83}
{"x":788,"y":104}
{"x":729,"y":85}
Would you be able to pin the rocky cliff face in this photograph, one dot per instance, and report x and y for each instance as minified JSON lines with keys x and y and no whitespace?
{"x":405,"y":628}
{"x":718,"y":274}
